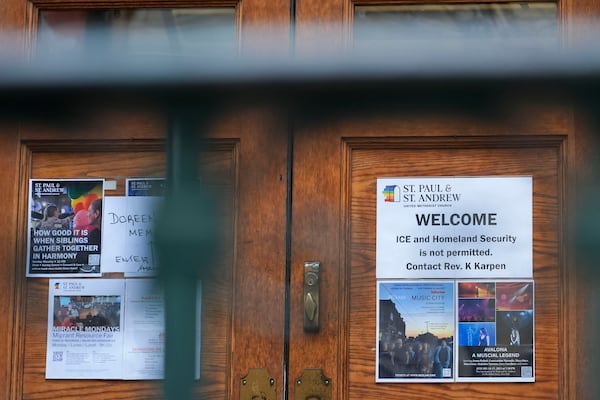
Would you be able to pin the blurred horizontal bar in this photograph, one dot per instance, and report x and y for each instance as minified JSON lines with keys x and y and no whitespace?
{"x":472,"y":74}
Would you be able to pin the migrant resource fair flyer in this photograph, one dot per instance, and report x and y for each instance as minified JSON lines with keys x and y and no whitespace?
{"x":85,"y":339}
{"x":415,"y":331}
{"x":109,"y":329}
{"x":495,"y":328}
{"x":64,"y":227}
{"x":463,"y":227}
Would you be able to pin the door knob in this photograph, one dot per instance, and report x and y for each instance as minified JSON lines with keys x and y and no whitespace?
{"x":311,"y":295}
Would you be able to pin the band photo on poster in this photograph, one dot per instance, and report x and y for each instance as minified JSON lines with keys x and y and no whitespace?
{"x":495,"y":331}
{"x":415,"y":331}
{"x":65,"y":227}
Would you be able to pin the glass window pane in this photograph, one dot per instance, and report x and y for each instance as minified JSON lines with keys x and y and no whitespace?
{"x":150,"y":31}
{"x":531,"y":22}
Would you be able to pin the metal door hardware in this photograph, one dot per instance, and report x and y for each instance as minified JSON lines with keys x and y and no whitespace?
{"x":258,"y":385}
{"x":313,"y":385}
{"x":312,"y":283}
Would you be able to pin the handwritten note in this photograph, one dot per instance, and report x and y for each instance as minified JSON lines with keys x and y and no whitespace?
{"x":128,"y":224}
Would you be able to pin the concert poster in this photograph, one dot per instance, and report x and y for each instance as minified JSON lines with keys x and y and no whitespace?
{"x":415,"y":331}
{"x":495,"y":329}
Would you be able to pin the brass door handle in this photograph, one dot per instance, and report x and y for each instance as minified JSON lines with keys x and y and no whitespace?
{"x":312,"y":283}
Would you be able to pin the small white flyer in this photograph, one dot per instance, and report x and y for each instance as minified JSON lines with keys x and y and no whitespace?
{"x":146,"y":186}
{"x":144,"y":330}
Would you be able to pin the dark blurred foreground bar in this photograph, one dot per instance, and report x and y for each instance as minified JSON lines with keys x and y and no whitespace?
{"x":472,"y":77}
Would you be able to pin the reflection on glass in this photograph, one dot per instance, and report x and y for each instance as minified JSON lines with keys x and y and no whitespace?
{"x":137,"y":31}
{"x":507,"y":21}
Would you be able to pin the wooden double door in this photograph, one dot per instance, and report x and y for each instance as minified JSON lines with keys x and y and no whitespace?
{"x":292,"y":192}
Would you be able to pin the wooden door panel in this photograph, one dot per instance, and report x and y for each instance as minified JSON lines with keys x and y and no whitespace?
{"x":539,"y":157}
{"x":243,"y":159}
{"x":116,"y":160}
{"x":334,"y":221}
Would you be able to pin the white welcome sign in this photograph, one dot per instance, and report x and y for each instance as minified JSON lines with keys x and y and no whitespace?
{"x":463,"y":227}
